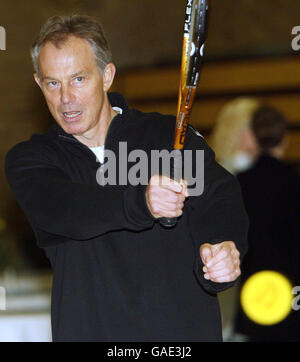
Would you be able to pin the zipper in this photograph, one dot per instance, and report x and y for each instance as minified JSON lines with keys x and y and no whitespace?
{"x":68,"y":138}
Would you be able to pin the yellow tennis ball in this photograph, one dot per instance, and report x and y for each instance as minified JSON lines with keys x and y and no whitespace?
{"x":266,"y":297}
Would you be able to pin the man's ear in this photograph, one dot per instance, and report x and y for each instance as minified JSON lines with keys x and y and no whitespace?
{"x":37,"y":79}
{"x":108,"y":76}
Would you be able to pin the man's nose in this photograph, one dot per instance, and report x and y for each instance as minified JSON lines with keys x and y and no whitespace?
{"x":66,"y":94}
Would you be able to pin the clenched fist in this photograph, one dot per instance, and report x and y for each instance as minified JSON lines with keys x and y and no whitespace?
{"x":221,"y":261}
{"x":165,"y":197}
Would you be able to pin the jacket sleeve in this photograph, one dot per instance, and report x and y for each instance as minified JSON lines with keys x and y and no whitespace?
{"x":57,"y":206}
{"x":218,"y":214}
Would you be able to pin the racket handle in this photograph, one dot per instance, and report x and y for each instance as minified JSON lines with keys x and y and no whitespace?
{"x":175,"y":174}
{"x":168,"y":222}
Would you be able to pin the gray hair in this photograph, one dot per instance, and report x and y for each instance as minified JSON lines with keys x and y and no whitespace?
{"x":57,"y":29}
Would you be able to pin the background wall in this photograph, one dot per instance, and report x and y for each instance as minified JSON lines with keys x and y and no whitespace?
{"x":145,"y":38}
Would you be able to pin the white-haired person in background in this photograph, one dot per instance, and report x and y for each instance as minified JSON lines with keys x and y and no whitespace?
{"x":232,"y":138}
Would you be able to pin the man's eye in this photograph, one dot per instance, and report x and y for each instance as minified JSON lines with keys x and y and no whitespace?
{"x":79,"y":79}
{"x":52,"y":84}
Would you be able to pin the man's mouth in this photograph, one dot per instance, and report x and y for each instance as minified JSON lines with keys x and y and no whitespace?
{"x":71,"y":115}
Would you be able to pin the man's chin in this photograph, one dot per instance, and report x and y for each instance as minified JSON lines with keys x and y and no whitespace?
{"x":72,"y":128}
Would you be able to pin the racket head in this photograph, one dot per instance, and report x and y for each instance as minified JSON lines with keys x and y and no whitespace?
{"x":195,"y":33}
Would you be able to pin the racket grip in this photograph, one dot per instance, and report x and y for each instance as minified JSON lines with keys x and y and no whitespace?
{"x":175,"y":174}
{"x":168,"y":222}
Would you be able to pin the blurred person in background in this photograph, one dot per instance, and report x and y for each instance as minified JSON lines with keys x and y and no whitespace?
{"x":232,"y":138}
{"x":271,"y":194}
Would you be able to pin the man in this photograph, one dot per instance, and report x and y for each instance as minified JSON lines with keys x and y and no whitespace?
{"x":118,"y":274}
{"x":271,"y":194}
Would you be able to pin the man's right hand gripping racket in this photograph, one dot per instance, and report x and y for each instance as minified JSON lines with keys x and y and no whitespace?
{"x":195,"y":31}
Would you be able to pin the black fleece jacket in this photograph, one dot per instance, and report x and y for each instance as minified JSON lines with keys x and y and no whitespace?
{"x":118,"y":274}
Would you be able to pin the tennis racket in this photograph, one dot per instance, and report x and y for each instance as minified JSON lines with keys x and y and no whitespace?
{"x":195,"y":32}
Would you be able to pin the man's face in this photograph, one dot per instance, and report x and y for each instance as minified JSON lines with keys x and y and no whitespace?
{"x":72,"y":85}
